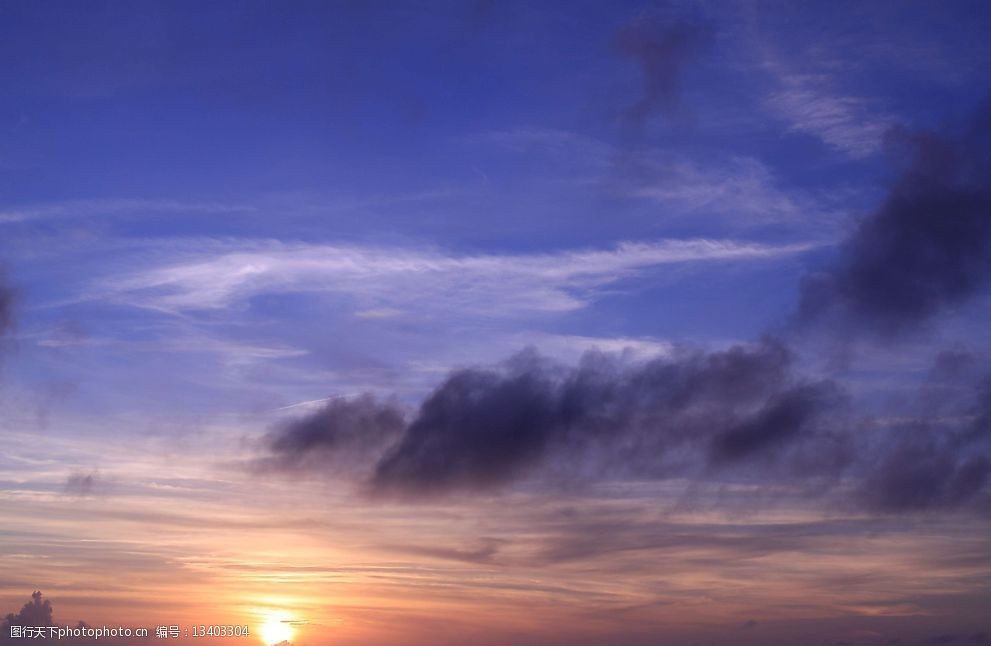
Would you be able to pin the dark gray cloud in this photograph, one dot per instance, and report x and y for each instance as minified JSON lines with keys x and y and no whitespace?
{"x":923,"y":252}
{"x":343,"y":434}
{"x":478,"y":429}
{"x":742,"y":415}
{"x":661,"y":46}
{"x":81,"y":484}
{"x":953,"y":363}
{"x":981,"y":428}
{"x":922,"y":473}
{"x":942,"y":460}
{"x":37,"y":612}
{"x":783,"y":416}
{"x":484,"y":428}
{"x":927,"y":248}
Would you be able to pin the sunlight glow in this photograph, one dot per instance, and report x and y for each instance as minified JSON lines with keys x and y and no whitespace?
{"x":276,"y":629}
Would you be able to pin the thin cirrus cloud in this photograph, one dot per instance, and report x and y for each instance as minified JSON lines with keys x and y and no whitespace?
{"x":734,"y":191}
{"x":115,"y":207}
{"x":739,"y":191}
{"x":848,"y":124}
{"x":808,"y":96}
{"x":385,"y":280}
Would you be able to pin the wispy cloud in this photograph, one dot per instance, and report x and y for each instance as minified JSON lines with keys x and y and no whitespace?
{"x":571,"y":347}
{"x":115,"y":206}
{"x":850,"y":124}
{"x":809,"y":93}
{"x":737,"y":191}
{"x":528,"y":139}
{"x":388,"y":279}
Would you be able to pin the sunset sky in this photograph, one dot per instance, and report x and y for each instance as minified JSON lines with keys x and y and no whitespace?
{"x":496,"y":322}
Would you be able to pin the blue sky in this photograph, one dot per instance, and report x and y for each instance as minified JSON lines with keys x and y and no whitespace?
{"x":217,"y":218}
{"x":138,"y":138}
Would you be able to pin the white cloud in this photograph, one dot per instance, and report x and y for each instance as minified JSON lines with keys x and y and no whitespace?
{"x":380,"y":280}
{"x":738,"y":191}
{"x":813,"y":91}
{"x":846,"y":123}
{"x":570,"y":347}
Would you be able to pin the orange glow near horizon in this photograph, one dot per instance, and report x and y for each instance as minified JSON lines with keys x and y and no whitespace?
{"x":332,"y":569}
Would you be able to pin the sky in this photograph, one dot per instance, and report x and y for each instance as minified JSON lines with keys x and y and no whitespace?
{"x":480,"y":322}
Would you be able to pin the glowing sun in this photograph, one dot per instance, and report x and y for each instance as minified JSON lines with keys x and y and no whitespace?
{"x":277,"y":629}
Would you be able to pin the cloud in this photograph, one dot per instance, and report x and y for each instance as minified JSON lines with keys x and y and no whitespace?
{"x":662,"y":49}
{"x":741,"y":190}
{"x":678,"y":415}
{"x":738,"y":191}
{"x":481,"y":429}
{"x":477,"y":430}
{"x":924,"y":473}
{"x":815,"y":90}
{"x":743,"y":415}
{"x":845,"y":123}
{"x":941,"y":461}
{"x":486,"y":550}
{"x":571,"y":347}
{"x":116,"y":207}
{"x":596,"y":530}
{"x":784,"y":415}
{"x":37,"y":612}
{"x":81,"y":484}
{"x":982,"y":417}
{"x":401,"y":279}
{"x":927,"y":248}
{"x":347,"y":433}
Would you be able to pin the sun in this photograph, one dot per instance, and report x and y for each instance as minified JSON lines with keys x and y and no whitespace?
{"x":277,"y":629}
